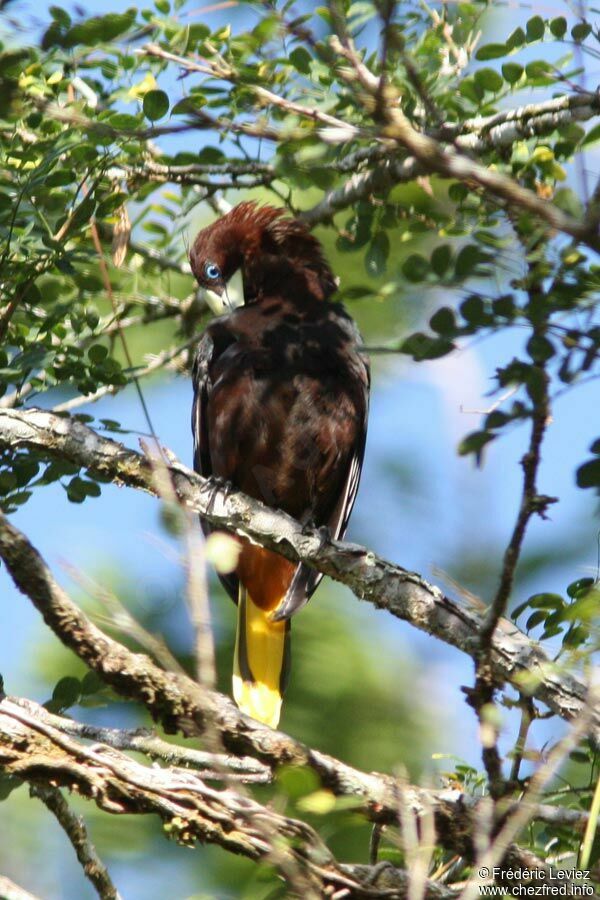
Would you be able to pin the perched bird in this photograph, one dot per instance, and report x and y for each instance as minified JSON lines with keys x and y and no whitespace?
{"x":281,"y":396}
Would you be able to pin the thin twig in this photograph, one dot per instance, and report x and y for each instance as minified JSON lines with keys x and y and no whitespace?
{"x":11,"y":891}
{"x":109,"y":291}
{"x":522,"y":813}
{"x":166,"y":359}
{"x":74,"y":827}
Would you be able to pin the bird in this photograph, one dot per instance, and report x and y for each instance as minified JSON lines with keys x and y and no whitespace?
{"x":281,"y":396}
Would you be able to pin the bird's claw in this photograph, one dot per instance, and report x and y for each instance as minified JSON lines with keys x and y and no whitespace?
{"x":323,"y":531}
{"x":219,"y":485}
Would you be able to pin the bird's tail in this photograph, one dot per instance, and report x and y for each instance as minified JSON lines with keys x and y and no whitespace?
{"x":262,"y":660}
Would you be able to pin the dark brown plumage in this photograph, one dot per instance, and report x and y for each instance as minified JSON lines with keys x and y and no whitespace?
{"x":280,"y":411}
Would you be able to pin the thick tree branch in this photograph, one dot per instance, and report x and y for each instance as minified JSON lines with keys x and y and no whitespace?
{"x":514,"y":658}
{"x":33,"y":751}
{"x":238,"y":175}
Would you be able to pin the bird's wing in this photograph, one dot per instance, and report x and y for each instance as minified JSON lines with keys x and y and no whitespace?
{"x":306,"y":579}
{"x":202,"y":384}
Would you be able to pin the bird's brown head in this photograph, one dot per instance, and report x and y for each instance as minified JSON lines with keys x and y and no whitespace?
{"x":274,"y":252}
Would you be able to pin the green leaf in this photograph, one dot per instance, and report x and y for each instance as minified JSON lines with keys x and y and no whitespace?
{"x":535,"y":29}
{"x":558,"y":26}
{"x":415,"y":268}
{"x":377,"y":254}
{"x":8,"y":482}
{"x":91,"y":683}
{"x":588,"y":475}
{"x":99,"y":29}
{"x":504,"y":306}
{"x":516,"y":39}
{"x":468,"y":261}
{"x":475,"y":442}
{"x":155,"y":105}
{"x":580,"y":31}
{"x":83,"y":213}
{"x":421,"y":346}
{"x":76,"y":490}
{"x":492,"y":51}
{"x":66,"y":693}
{"x":60,"y":15}
{"x":580,"y":587}
{"x":301,"y":59}
{"x":535,"y":619}
{"x":489,"y":80}
{"x":92,"y":489}
{"x":576,"y":636}
{"x":496,"y":419}
{"x":443,"y":321}
{"x":97,"y":353}
{"x":569,"y":202}
{"x":546,"y":601}
{"x":540,"y":71}
{"x":540,"y":348}
{"x":297,"y":781}
{"x":472,"y":91}
{"x":458,"y":192}
{"x":518,"y":610}
{"x":25,"y":470}
{"x":441,"y":259}
{"x":318,"y":803}
{"x":512,"y":72}
{"x":591,"y":137}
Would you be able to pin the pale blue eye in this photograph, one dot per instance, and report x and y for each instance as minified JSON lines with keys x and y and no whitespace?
{"x":212,"y":271}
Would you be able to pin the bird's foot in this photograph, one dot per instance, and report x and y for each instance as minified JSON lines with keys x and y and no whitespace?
{"x":218,"y":485}
{"x":323,"y":531}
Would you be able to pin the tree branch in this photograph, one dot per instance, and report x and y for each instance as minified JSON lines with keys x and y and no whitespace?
{"x":514,"y":658}
{"x":502,"y":129}
{"x":223,"y":72}
{"x":210,"y":766}
{"x":34,"y":751}
{"x":11,"y":891}
{"x":450,"y":162}
{"x":239,"y":174}
{"x":477,"y":136}
{"x":73,"y":826}
{"x":531,"y":504}
{"x":181,"y":704}
{"x":168,"y":359}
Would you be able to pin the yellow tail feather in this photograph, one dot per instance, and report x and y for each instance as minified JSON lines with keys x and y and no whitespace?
{"x":261,"y":650}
